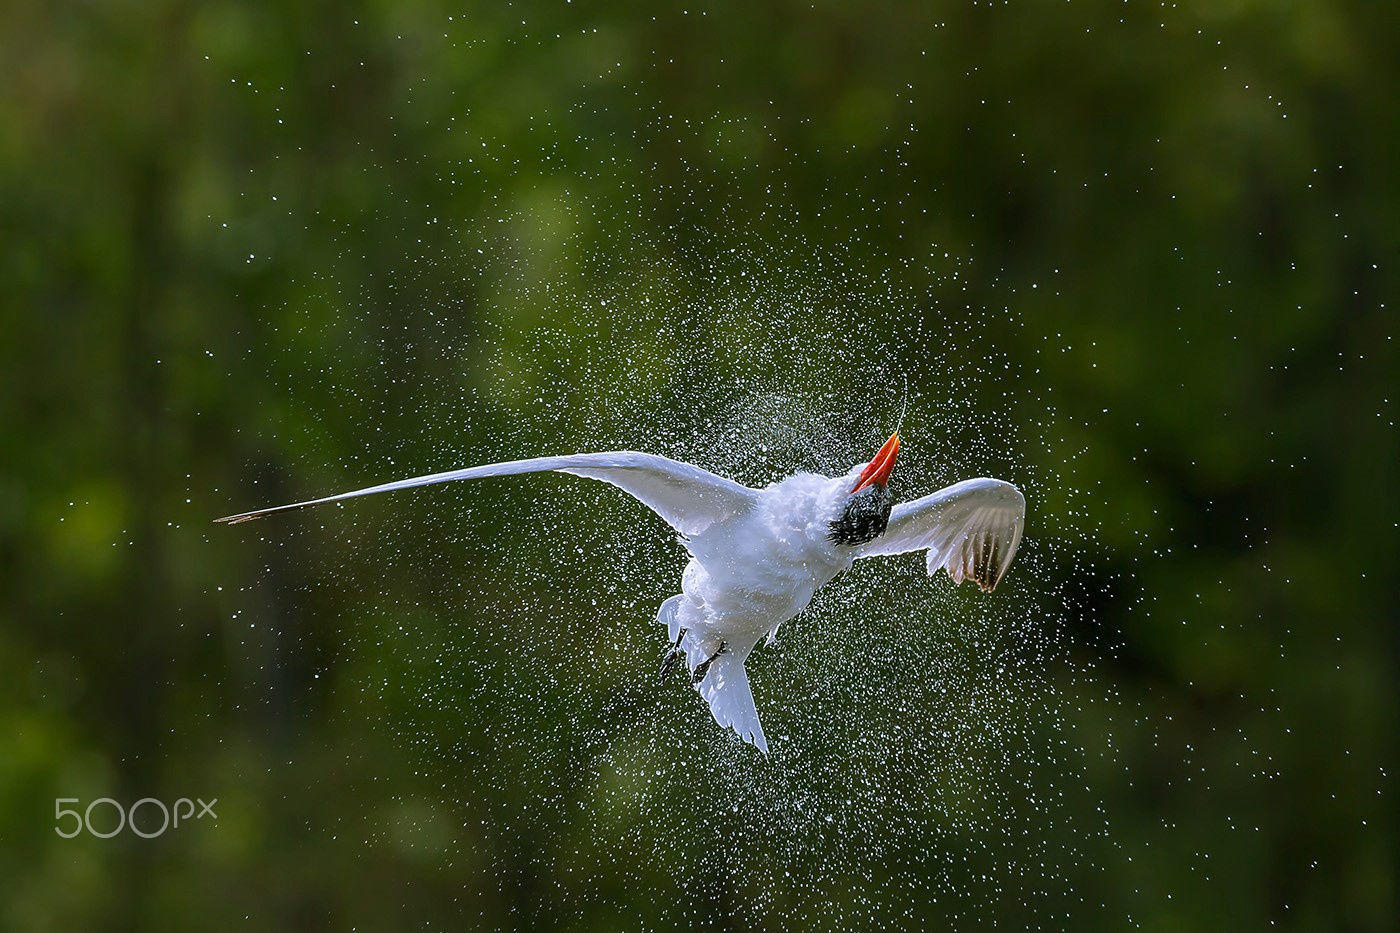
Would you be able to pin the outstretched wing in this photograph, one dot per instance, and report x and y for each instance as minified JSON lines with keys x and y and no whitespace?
{"x":689,"y":498}
{"x":971,"y":529}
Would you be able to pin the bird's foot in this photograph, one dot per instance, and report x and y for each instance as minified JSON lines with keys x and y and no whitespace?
{"x":672,"y":655}
{"x":703,"y":667}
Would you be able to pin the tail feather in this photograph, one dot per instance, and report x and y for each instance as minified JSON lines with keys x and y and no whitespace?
{"x":726,"y":689}
{"x":725,"y":685}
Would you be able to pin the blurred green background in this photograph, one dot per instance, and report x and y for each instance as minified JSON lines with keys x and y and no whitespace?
{"x":1137,"y":257}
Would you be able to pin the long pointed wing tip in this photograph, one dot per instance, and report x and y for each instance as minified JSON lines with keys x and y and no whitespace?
{"x":238,"y":519}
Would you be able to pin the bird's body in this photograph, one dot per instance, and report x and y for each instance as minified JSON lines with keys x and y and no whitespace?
{"x":746,"y":577}
{"x":757,"y":556}
{"x":752,"y":573}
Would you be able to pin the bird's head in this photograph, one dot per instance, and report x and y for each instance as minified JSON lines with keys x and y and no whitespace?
{"x":866,"y":510}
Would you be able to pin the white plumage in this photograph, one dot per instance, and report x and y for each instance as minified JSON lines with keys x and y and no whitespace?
{"x":759,"y":555}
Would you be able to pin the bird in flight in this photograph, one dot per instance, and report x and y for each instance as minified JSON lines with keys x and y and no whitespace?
{"x":757,"y":556}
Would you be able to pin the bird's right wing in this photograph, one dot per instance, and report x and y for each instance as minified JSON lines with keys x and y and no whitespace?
{"x":689,"y":498}
{"x":971,"y":529}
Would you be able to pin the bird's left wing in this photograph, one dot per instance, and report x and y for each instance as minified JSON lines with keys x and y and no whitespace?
{"x":972,"y":529}
{"x":689,"y":498}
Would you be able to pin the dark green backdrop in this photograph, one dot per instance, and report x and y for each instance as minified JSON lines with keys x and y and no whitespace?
{"x":1137,"y":257}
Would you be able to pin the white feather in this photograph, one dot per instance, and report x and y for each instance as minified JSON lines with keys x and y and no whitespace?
{"x":689,"y":498}
{"x":758,"y":556}
{"x":971,"y":529}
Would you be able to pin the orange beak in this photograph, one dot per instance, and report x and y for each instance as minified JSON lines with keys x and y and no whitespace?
{"x":879,"y":469}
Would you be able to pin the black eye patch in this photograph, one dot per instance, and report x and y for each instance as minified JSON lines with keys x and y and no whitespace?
{"x":865,"y":517}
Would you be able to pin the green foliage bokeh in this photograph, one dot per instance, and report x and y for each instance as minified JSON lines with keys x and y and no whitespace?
{"x":240,"y":238}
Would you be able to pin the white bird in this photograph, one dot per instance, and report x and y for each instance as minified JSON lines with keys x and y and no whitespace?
{"x":757,"y":556}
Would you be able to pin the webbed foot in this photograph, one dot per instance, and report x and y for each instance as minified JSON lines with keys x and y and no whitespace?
{"x":672,"y":655}
{"x":703,"y":667}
